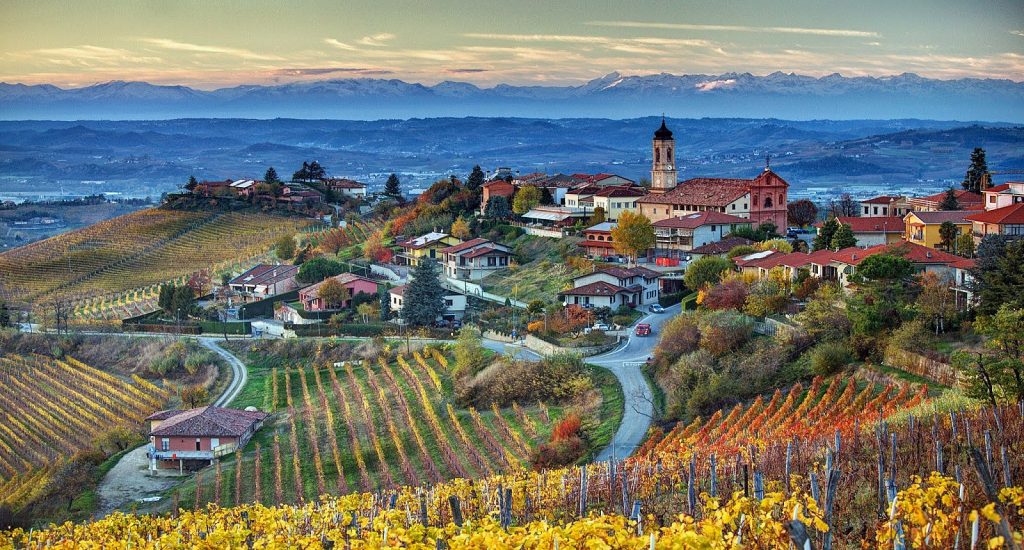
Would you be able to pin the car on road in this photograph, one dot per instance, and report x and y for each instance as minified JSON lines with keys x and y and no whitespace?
{"x":643,"y":329}
{"x":656,"y":308}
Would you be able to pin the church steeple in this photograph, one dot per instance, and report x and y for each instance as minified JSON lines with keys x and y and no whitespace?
{"x":663,"y":169}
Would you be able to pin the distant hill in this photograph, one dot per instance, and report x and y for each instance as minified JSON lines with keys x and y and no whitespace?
{"x":781,"y":95}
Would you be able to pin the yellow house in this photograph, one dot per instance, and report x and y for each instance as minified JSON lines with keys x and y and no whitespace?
{"x":425,"y":246}
{"x":923,"y":227}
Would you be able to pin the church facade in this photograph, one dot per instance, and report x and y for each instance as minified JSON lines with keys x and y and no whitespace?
{"x":760,"y":199}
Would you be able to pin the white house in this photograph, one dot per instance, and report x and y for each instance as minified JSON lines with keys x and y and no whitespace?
{"x":346,"y":187}
{"x":678,"y":235}
{"x":455,"y":304}
{"x":474,"y":259}
{"x":613,"y":287}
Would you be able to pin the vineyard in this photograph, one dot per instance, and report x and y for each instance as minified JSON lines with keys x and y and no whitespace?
{"x":367,"y":427}
{"x":113,"y":269}
{"x":866,"y":484}
{"x":50,"y":409}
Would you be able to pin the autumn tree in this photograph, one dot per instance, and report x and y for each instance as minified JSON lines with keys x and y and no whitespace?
{"x":802,"y":212}
{"x":460,"y":228}
{"x":633,"y":234}
{"x":965,"y":245}
{"x":525,"y":199}
{"x":194,"y":396}
{"x":706,"y":271}
{"x":766,"y":297}
{"x":598,"y":216}
{"x":935,"y":302}
{"x":375,"y":250}
{"x":731,"y":294}
{"x":845,"y":206}
{"x":976,"y":171}
{"x":284,"y":248}
{"x":333,"y":293}
{"x":366,"y":310}
{"x":949,"y":201}
{"x":470,"y":355}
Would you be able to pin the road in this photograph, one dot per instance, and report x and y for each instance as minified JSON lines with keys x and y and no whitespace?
{"x":239,"y":374}
{"x":625,"y":362}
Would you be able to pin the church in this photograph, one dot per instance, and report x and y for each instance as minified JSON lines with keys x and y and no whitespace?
{"x":760,"y":199}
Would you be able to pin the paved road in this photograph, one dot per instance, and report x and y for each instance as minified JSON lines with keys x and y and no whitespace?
{"x":624,"y":362}
{"x":239,"y":374}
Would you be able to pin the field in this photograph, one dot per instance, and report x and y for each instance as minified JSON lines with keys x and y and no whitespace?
{"x":851,"y":484}
{"x":118,"y":262}
{"x":376,"y":425}
{"x":544,"y":273}
{"x":50,"y":409}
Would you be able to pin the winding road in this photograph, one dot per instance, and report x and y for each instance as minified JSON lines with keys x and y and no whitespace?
{"x":239,"y":374}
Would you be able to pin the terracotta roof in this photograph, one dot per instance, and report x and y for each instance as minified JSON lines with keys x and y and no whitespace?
{"x":940,"y":216}
{"x":701,"y":191}
{"x":163,"y":415}
{"x":262,"y":274}
{"x":497,"y":182}
{"x":485,"y":250}
{"x":998,"y":188}
{"x":398,"y":290}
{"x":871,"y":224}
{"x":463,"y":246}
{"x":693,"y":221}
{"x":963,"y":196}
{"x":597,"y":288}
{"x":722,"y":246}
{"x":880,"y":199}
{"x":1008,"y":214}
{"x":209,"y":422}
{"x":344,"y":183}
{"x":755,"y":258}
{"x":621,"y":191}
{"x":344,"y":279}
{"x":793,"y":259}
{"x":626,"y":273}
{"x":916,"y":253}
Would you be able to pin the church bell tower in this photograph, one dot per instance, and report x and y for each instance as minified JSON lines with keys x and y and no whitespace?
{"x":663,"y":171}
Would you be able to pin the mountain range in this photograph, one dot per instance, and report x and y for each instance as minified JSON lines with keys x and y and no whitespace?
{"x":776,"y":95}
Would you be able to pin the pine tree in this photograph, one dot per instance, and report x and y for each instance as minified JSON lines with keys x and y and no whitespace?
{"x":949,"y":201}
{"x":192,"y":184}
{"x":497,"y":208}
{"x":824,"y":238}
{"x":947,"y":235}
{"x":393,"y":188}
{"x":545,"y":196}
{"x":476,"y":179}
{"x":316,"y":172}
{"x":271,"y":176}
{"x":424,"y":297}
{"x":977,"y":171}
{"x":843,"y":238}
{"x":385,"y":306}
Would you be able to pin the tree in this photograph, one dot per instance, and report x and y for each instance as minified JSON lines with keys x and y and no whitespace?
{"x":366,"y":310}
{"x":844,"y":207}
{"x":194,"y":396}
{"x":766,"y":297}
{"x":706,"y":271}
{"x":181,"y":302}
{"x":545,"y":196}
{"x":302,"y":174}
{"x":470,"y":356}
{"x":843,"y":238}
{"x":633,"y":234}
{"x":476,"y":179}
{"x":965,"y":245}
{"x":1001,"y":277}
{"x":935,"y":302}
{"x":497,"y":208}
{"x":802,"y":212}
{"x":947,"y":235}
{"x":192,"y":184}
{"x":598,"y":216}
{"x":424,"y":296}
{"x":271,"y":176}
{"x":823,"y":240}
{"x":375,"y":250}
{"x":333,"y":293}
{"x":460,"y":229}
{"x":393,"y":188}
{"x":949,"y":201}
{"x":316,"y":172}
{"x":318,"y":269}
{"x":823,"y":318}
{"x":731,"y":294}
{"x":976,"y":171}
{"x":525,"y":199}
{"x":885,"y":268}
{"x":385,"y":306}
{"x":284,"y":248}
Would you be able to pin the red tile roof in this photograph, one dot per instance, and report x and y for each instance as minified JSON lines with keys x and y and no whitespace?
{"x":344,"y":183}
{"x":963,"y":196}
{"x":626,"y":273}
{"x":483,"y":251}
{"x":871,"y":224}
{"x":722,"y":246}
{"x":344,"y":279}
{"x":998,"y":188}
{"x":916,"y":253}
{"x":881,"y":199}
{"x":265,"y":274}
{"x":693,"y":221}
{"x":597,"y":288}
{"x":209,"y":422}
{"x":1006,"y":215}
{"x":398,"y":290}
{"x":163,"y":415}
{"x":701,"y":191}
{"x":621,"y":191}
{"x":463,"y":246}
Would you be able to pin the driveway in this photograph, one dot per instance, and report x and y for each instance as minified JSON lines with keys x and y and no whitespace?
{"x":626,"y":362}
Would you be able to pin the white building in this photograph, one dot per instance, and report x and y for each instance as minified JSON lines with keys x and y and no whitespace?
{"x":613,"y":287}
{"x":455,"y":304}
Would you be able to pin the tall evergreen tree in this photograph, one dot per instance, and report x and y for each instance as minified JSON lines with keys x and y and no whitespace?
{"x":316,"y":172}
{"x":824,"y":238}
{"x":949,"y":201}
{"x":424,"y":297}
{"x":947,"y":235}
{"x":497,"y":208}
{"x":303,"y":173}
{"x":192,"y":184}
{"x":271,"y":176}
{"x":545,"y":196}
{"x":385,"y":306}
{"x":977,"y":170}
{"x":476,"y":179}
{"x":393,"y":188}
{"x":843,"y":238}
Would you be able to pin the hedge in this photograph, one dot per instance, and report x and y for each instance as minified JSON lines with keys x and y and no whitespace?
{"x":216,"y":327}
{"x":265,"y":307}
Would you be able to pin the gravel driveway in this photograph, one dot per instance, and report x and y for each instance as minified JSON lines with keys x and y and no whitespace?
{"x":129,"y":481}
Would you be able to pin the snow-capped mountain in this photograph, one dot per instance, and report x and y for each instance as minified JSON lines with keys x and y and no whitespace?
{"x":783,"y":95}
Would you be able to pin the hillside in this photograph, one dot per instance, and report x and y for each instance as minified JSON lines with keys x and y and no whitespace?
{"x":121,"y":261}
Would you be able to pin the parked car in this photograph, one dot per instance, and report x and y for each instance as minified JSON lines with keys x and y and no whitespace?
{"x":602,"y":326}
{"x":656,"y":308}
{"x":643,"y":329}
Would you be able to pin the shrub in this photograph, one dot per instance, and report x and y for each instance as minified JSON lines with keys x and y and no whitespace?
{"x":622,"y":320}
{"x":829,"y":357}
{"x":722,"y":332}
{"x":678,"y":336}
{"x":566,"y":428}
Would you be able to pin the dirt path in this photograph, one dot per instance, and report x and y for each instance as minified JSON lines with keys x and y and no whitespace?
{"x":129,"y":481}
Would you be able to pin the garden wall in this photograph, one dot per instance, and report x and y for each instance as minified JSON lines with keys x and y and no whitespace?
{"x":923,"y":366}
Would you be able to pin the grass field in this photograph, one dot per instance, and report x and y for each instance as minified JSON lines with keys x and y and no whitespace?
{"x":369,"y":426}
{"x":122,"y":260}
{"x":543,"y":274}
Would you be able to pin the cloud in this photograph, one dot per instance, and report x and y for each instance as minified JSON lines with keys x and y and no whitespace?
{"x":1017,"y":32}
{"x":168,"y":44}
{"x":597,"y":40}
{"x":735,"y":28}
{"x":709,"y":85}
{"x":377,"y":40}
{"x":465,"y":71}
{"x":317,"y":71}
{"x":90,"y":56}
{"x":339,"y":45}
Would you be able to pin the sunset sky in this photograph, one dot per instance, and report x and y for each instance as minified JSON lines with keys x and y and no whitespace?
{"x":216,"y":43}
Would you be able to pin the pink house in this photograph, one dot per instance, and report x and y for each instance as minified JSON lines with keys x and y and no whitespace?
{"x":310,"y":296}
{"x":194,"y":438}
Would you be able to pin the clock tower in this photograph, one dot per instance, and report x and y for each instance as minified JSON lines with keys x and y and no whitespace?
{"x":663,"y":170}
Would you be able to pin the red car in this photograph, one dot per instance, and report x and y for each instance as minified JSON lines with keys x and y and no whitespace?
{"x":643,"y":329}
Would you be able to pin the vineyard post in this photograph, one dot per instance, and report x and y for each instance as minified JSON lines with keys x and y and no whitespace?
{"x":714,"y":476}
{"x":898,"y":543}
{"x":423,"y":509}
{"x":746,"y":486}
{"x":830,"y":496}
{"x":1007,"y":480}
{"x":988,"y":449}
{"x":758,"y":486}
{"x":453,"y":502}
{"x":815,"y":492}
{"x":691,"y":493}
{"x":789,"y":457}
{"x":583,"y":491}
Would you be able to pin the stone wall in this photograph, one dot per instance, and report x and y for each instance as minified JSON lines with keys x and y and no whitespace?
{"x":925,"y":367}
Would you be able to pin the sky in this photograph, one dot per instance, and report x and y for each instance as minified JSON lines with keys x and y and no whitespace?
{"x":210,"y":44}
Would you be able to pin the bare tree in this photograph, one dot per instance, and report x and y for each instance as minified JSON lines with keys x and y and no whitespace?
{"x":845,"y":206}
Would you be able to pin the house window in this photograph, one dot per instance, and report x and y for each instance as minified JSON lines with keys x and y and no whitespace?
{"x":734,"y":206}
{"x":198,"y":444}
{"x":165,"y":444}
{"x":714,"y":228}
{"x":875,"y":210}
{"x":767,"y":202}
{"x":744,"y":206}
